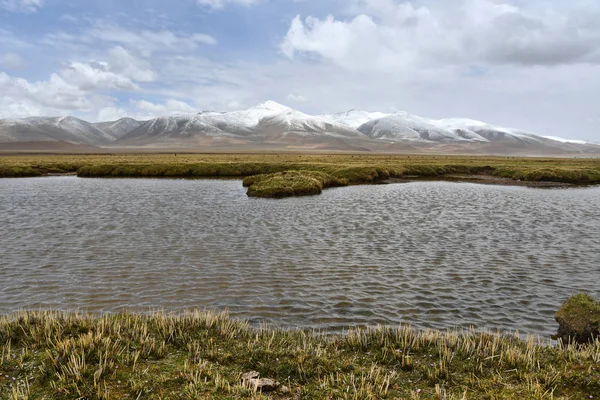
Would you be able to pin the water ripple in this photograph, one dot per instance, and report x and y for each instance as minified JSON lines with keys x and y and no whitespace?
{"x":430,"y":254}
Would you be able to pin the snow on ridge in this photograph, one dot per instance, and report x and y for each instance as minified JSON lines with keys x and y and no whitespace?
{"x":562,"y":140}
{"x":270,"y":117}
{"x":402,"y":125}
{"x":354,"y":118}
{"x":405,"y":126}
{"x":68,"y":129}
{"x":298,"y":122}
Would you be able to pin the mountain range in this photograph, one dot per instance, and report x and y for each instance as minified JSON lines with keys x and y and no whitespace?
{"x":272,"y":126}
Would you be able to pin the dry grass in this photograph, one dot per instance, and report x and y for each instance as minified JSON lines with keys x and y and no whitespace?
{"x":51,"y":355}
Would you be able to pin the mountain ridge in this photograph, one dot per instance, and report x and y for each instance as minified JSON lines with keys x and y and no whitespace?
{"x":277,"y":124}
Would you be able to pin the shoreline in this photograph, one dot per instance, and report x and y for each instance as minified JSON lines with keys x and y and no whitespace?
{"x":487,"y":180}
{"x":476,"y":179}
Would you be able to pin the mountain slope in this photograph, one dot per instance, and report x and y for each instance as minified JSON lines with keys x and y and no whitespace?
{"x":67,"y":129}
{"x":405,"y":126}
{"x":207,"y":123}
{"x":292,"y":121}
{"x":118,"y":129}
{"x":354,"y":118}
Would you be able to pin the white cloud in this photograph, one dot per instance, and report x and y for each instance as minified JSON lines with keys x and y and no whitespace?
{"x":21,"y":5}
{"x":12,"y":61}
{"x":387,"y":35}
{"x":21,"y":98}
{"x":144,"y":110}
{"x":220,"y":4}
{"x":112,"y":113}
{"x":120,"y":72}
{"x":77,"y":88}
{"x":96,"y":75}
{"x":297,"y":98}
{"x":133,"y":67}
{"x":169,"y":107}
{"x":147,"y":41}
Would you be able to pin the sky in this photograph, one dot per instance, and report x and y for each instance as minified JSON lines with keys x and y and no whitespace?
{"x":528,"y":64}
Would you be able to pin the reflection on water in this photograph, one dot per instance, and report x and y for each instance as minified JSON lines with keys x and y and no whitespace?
{"x":431,"y":254}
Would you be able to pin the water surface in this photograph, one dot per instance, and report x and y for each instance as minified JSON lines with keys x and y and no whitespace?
{"x":431,"y":254}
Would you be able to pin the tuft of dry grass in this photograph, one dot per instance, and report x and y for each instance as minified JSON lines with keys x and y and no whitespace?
{"x":579,"y":319}
{"x":194,"y":355}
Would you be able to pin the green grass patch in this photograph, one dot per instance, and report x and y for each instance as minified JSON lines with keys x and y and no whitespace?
{"x":291,"y":183}
{"x":579,"y":319}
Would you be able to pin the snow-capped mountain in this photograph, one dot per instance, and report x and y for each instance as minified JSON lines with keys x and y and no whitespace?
{"x":275,"y":125}
{"x":405,"y":126}
{"x":68,"y":129}
{"x":207,"y":123}
{"x":292,"y":121}
{"x":354,"y":118}
{"x":118,"y":129}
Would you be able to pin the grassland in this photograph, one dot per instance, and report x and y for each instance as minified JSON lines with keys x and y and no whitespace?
{"x":306,"y":174}
{"x":198,"y":355}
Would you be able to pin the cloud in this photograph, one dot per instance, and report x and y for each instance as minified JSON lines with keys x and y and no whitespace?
{"x":96,"y":75}
{"x":220,"y":4}
{"x":12,"y":61}
{"x":169,"y":107}
{"x":148,"y":41}
{"x":112,"y":113}
{"x":297,"y":98}
{"x":144,"y":110}
{"x":21,"y":5}
{"x":78,"y":87}
{"x":21,"y":98}
{"x":135,"y":68}
{"x":120,"y":72}
{"x":387,"y":35}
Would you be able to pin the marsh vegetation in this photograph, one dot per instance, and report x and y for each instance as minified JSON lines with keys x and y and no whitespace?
{"x":305,"y":174}
{"x":198,"y":355}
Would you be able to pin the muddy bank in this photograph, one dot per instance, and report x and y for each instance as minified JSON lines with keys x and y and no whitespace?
{"x":482,"y":179}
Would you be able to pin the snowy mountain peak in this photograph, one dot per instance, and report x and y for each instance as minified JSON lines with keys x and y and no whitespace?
{"x":293,"y":121}
{"x":271,"y":105}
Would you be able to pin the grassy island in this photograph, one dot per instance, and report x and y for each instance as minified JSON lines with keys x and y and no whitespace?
{"x":199,"y":355}
{"x":295,"y":174}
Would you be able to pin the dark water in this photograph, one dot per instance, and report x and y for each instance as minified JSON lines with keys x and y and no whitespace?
{"x":431,"y":254}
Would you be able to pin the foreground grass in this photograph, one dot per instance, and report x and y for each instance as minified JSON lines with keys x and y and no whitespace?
{"x":47,"y":355}
{"x":304,"y":174}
